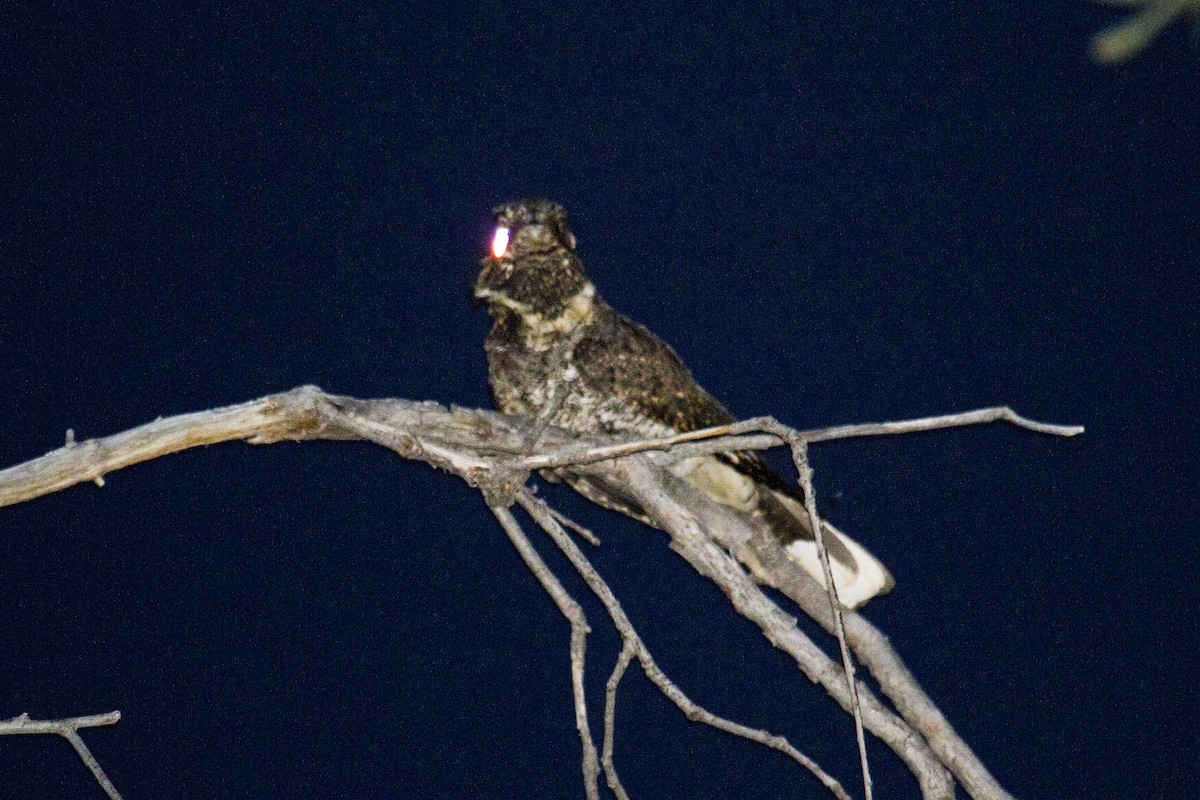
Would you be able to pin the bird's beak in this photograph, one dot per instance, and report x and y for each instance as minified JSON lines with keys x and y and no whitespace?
{"x":494,"y":269}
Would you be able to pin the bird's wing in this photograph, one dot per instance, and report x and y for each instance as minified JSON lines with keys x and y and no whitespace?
{"x":652,"y":392}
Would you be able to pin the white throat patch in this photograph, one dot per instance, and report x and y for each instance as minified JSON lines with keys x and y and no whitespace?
{"x":540,"y":333}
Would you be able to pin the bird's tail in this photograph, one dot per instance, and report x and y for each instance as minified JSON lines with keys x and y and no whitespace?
{"x":857,"y":574}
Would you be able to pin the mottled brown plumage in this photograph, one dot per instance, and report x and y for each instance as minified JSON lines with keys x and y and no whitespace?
{"x":558,"y":350}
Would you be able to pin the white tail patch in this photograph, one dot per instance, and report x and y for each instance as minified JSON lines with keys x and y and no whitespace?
{"x":853,"y":588}
{"x":731,"y":488}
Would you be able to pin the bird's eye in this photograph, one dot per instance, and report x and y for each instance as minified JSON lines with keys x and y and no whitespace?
{"x":500,"y":242}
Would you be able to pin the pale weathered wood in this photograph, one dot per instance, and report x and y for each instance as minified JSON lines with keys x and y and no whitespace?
{"x":490,"y":451}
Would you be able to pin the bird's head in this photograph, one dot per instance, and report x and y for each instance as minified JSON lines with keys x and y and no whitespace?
{"x":532,"y":269}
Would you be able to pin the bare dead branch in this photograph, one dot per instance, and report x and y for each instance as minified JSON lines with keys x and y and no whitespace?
{"x":580,"y":531}
{"x":567,"y":375}
{"x":76,"y":462}
{"x":69,"y":730}
{"x":679,"y":508}
{"x":980,"y":416}
{"x":541,"y":513}
{"x":874,"y":651}
{"x":800,"y":455}
{"x":761,"y":433}
{"x":610,"y":718}
{"x":579,"y":631}
{"x":486,"y":450}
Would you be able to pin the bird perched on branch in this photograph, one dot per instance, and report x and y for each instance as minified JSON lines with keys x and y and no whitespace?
{"x":558,"y":353}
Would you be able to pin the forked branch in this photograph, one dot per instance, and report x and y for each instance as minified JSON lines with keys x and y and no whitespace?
{"x":633,"y":646}
{"x":69,"y":730}
{"x":490,"y":451}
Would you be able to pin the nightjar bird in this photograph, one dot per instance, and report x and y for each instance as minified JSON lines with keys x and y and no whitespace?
{"x":557,"y":349}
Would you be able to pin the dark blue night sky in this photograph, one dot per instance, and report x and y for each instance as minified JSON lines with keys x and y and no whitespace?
{"x":834,"y":212}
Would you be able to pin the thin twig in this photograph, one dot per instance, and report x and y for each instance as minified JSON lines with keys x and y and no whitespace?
{"x":561,"y":358}
{"x":677,"y":508}
{"x":899,"y":685}
{"x":800,"y":456}
{"x":751,"y":436}
{"x":540,"y":512}
{"x":628,"y":651}
{"x":874,"y":651}
{"x":960,"y":419}
{"x":581,"y":531}
{"x":546,"y":415}
{"x":590,"y":453}
{"x":69,"y":730}
{"x":485,"y":449}
{"x":579,"y":631}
